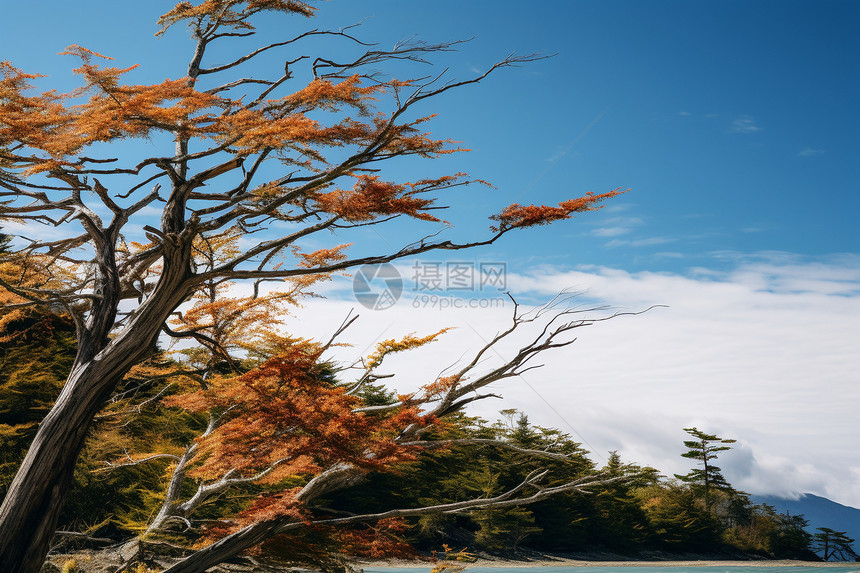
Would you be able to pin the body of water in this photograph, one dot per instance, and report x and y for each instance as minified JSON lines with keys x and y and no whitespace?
{"x":833,"y":567}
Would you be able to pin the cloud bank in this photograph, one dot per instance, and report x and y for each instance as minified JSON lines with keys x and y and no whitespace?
{"x":765,"y":353}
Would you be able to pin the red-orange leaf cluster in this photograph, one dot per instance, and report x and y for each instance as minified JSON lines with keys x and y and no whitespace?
{"x":371,"y":197}
{"x":43,"y":123}
{"x":287,"y":414}
{"x":518,"y":216}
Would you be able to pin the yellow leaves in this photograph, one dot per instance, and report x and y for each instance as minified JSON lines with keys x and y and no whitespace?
{"x":327,"y":95}
{"x":236,"y":322}
{"x":517,"y":216}
{"x":221,"y":313}
{"x":232,"y":13}
{"x":392,"y":346}
{"x":323,"y":257}
{"x":268,"y":191}
{"x":33,"y":271}
{"x":451,"y":561}
{"x":210,"y":250}
{"x":251,"y":130}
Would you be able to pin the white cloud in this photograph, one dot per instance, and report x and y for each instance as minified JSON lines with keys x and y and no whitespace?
{"x":810,"y":152}
{"x":39,"y":231}
{"x":646,"y":242}
{"x":765,"y":353}
{"x":617,"y":226}
{"x":744,"y":125}
{"x":610,"y":231}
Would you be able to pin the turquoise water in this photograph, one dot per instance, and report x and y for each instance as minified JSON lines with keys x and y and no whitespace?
{"x":848,"y":568}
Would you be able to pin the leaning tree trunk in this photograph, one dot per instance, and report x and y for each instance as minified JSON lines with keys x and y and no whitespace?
{"x":338,"y":476}
{"x":31,"y":508}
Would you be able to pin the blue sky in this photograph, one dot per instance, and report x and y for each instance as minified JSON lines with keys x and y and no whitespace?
{"x":735,"y":125}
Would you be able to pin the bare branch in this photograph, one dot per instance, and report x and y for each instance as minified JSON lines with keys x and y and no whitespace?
{"x":506,"y":499}
{"x":433,"y":444}
{"x":137,"y":462}
{"x":259,"y":51}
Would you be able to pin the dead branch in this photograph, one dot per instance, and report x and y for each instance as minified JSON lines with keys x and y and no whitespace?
{"x":434,"y":444}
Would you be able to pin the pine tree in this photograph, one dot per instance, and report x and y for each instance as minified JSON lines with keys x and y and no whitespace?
{"x":708,"y":478}
{"x":834,"y":544}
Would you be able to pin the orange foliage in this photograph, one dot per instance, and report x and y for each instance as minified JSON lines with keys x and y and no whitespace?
{"x":112,"y":111}
{"x":440,"y":387}
{"x":391,"y":345}
{"x":380,"y":540}
{"x":45,"y":123}
{"x":324,"y":94}
{"x":371,"y":197}
{"x":287,"y":413}
{"x":22,"y":274}
{"x":34,"y":121}
{"x":323,"y":257}
{"x":250,"y":322}
{"x":230,"y":13}
{"x":287,"y":420}
{"x":518,"y":216}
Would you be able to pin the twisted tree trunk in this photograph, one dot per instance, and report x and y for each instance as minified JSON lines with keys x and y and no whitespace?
{"x":31,"y":508}
{"x":338,"y":476}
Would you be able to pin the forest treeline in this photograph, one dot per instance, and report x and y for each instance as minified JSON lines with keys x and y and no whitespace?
{"x":120,"y":486}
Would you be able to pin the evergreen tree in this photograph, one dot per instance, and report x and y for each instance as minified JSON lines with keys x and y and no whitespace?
{"x":619,"y":522}
{"x":676,"y":521}
{"x":707,"y":478}
{"x":791,"y":540}
{"x":834,"y":545}
{"x":36,"y":353}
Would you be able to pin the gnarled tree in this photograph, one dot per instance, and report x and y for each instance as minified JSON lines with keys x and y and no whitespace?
{"x":285,"y":423}
{"x":279,"y":166}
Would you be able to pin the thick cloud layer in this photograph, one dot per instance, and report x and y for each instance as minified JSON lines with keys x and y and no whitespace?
{"x":766,"y":353}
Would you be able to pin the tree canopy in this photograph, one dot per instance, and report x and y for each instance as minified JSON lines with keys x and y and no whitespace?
{"x":175,"y":461}
{"x":279,"y":161}
{"x":704,"y":449}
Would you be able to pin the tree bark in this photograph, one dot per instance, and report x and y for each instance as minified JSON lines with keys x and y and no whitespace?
{"x":28,"y":516}
{"x":336,"y":477}
{"x":31,"y":508}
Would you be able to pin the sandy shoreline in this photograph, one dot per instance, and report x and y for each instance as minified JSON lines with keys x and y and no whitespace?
{"x":563,"y":562}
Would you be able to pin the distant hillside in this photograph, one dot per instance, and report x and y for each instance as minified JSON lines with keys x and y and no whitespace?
{"x":820,"y":511}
